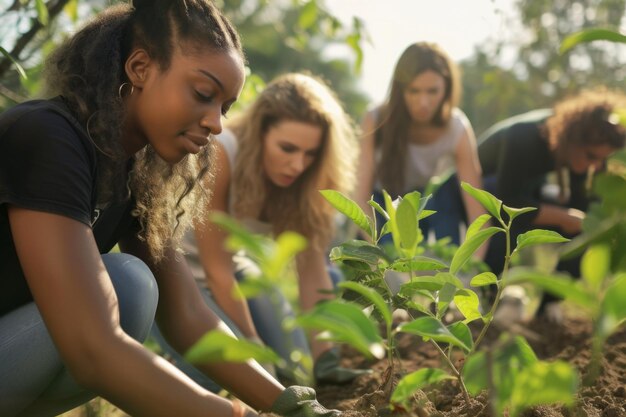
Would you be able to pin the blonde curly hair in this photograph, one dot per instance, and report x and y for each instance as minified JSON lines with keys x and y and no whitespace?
{"x":299,"y":207}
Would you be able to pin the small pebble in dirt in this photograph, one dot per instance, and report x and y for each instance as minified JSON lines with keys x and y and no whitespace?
{"x":614,"y":411}
{"x":620,"y":392}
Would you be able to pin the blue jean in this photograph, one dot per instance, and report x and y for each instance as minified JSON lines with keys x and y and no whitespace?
{"x":33,"y":379}
{"x":450,"y":212}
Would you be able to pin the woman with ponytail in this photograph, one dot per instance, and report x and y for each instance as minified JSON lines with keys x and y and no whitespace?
{"x":118,"y":155}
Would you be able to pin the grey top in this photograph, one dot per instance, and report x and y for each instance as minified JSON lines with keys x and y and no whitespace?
{"x":432,"y":159}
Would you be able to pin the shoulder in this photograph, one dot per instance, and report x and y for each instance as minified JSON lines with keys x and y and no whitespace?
{"x":524,"y":123}
{"x":459,"y":120}
{"x":229,"y":143}
{"x":40,"y":127}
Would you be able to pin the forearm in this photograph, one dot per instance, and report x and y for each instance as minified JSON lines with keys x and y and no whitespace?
{"x":314,"y":283}
{"x":234,"y":305}
{"x":143,"y":384}
{"x":249,"y":381}
{"x":568,"y":219}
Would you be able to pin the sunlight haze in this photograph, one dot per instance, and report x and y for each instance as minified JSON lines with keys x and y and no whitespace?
{"x":457,"y":25}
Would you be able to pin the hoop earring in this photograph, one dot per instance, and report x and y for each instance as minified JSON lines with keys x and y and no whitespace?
{"x":121,"y":89}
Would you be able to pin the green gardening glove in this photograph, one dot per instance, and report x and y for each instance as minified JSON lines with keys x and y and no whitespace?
{"x":297,"y":401}
{"x":327,"y":370}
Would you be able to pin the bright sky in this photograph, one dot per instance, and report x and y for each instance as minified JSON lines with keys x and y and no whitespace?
{"x":456,"y":25}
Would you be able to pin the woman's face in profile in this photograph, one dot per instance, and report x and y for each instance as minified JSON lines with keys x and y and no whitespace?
{"x":580,"y":158}
{"x":177,"y":109}
{"x":424,"y":95}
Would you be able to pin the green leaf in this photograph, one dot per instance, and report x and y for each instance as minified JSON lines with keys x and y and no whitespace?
{"x":344,"y":323}
{"x":513,"y":357}
{"x":613,"y":308}
{"x":425,"y":213}
{"x":477,"y":225}
{"x":559,"y":285}
{"x":418,"y":263}
{"x":390,"y":208}
{"x":372,"y":296}
{"x":602,"y":232}
{"x":71,"y":9}
{"x":468,"y":304}
{"x":42,"y":12}
{"x":358,"y":250}
{"x":544,"y":383}
{"x":483,"y":279}
{"x":486,"y":199}
{"x":409,"y":384}
{"x":18,"y":67}
{"x":239,"y":236}
{"x":537,"y":237}
{"x":590,"y":35}
{"x":430,"y":283}
{"x":308,"y":15}
{"x":252,"y":286}
{"x":431,"y":328}
{"x":505,"y":364}
{"x":379,"y":209}
{"x":467,"y":249}
{"x":217,"y":346}
{"x":406,"y":218}
{"x":288,"y":245}
{"x":595,"y":265}
{"x":444,"y":298}
{"x":424,"y":309}
{"x":421,"y":283}
{"x":474,"y":374}
{"x":350,"y":209}
{"x":514,"y":212}
{"x":462,"y":332}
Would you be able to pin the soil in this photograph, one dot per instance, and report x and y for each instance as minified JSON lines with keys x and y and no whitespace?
{"x":569,"y":341}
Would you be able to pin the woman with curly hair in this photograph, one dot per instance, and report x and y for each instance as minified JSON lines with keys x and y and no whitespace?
{"x":570,"y":142}
{"x":117,"y":156}
{"x":275,"y":156}
{"x":419,"y":136}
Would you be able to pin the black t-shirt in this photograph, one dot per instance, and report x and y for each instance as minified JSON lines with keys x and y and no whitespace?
{"x":515,"y":152}
{"x":48,"y":163}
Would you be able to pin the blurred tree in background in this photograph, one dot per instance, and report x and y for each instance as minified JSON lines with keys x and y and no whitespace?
{"x":536,"y":75}
{"x":278,"y":36}
{"x":516,"y":72}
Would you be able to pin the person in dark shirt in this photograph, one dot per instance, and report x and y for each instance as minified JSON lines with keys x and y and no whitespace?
{"x":570,"y":142}
{"x":118,"y":156}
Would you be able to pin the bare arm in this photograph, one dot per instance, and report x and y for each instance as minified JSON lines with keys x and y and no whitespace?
{"x":216,"y":260}
{"x":66,"y":276}
{"x":469,"y":170}
{"x":570,"y":220}
{"x":183,"y":318}
{"x":313,"y":277}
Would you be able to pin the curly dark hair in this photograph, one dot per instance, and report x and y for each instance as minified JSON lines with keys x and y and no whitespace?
{"x":585,"y":119}
{"x":87,"y":70}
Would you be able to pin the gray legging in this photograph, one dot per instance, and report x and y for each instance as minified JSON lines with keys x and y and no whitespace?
{"x":33,"y":379}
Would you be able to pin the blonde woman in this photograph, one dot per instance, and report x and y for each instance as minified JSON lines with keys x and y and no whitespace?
{"x":272,"y":160}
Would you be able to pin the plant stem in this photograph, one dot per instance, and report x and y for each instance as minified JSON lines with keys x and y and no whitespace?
{"x":496,"y":302}
{"x":455,"y":371}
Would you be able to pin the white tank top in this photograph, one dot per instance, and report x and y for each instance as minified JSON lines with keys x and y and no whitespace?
{"x":432,"y":159}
